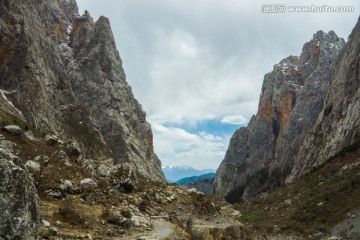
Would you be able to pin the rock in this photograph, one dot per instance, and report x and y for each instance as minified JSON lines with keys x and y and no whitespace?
{"x":61,"y":155}
{"x":88,"y":184}
{"x":13,"y":129}
{"x":83,"y":63}
{"x":135,"y":222}
{"x":45,"y":223}
{"x":318,"y":235}
{"x":90,"y":198}
{"x":66,"y":185}
{"x":32,"y":166}
{"x":276,"y":229}
{"x":103,"y":170}
{"x":29,"y":134}
{"x":8,"y":145}
{"x":54,"y":193}
{"x":51,"y":140}
{"x":291,"y":104}
{"x":288,"y":202}
{"x":72,"y":150}
{"x":116,"y":218}
{"x":19,"y":207}
{"x":58,"y":223}
{"x":53,"y":231}
{"x":74,"y":189}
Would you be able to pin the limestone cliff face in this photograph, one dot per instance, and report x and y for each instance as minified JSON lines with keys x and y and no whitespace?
{"x":63,"y":72}
{"x":292,"y":97}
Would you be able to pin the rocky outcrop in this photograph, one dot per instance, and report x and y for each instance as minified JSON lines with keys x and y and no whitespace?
{"x":291,"y":100}
{"x":337,"y":129}
{"x":18,"y":197}
{"x":62,"y":72}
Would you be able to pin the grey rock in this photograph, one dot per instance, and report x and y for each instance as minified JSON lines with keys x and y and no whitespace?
{"x":261,"y":155}
{"x":29,"y":134}
{"x":70,"y":59}
{"x":66,"y":185}
{"x":32,"y":167}
{"x":74,"y":189}
{"x":115,"y":217}
{"x":8,"y":145}
{"x":103,"y":170}
{"x":54,"y":193}
{"x":61,"y":155}
{"x":72,"y":150}
{"x":51,"y":140}
{"x":45,"y":223}
{"x":88,"y":184}
{"x":20,"y":213}
{"x":13,"y":129}
{"x":53,"y":231}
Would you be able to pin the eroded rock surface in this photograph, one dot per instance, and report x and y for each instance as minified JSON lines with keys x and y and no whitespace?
{"x":62,"y":72}
{"x":292,"y":98}
{"x":18,"y":199}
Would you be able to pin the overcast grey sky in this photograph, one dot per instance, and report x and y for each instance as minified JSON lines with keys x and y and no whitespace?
{"x":197,"y":66}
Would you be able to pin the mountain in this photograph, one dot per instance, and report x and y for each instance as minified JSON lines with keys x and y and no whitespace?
{"x":63,"y":73}
{"x":175,"y":173}
{"x":76,"y":151}
{"x":62,"y":77}
{"x":308,"y":114}
{"x":203,"y":183}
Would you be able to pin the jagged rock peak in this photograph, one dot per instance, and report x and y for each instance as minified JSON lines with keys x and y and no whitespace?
{"x":355,"y":30}
{"x":66,"y":77}
{"x":291,"y":100}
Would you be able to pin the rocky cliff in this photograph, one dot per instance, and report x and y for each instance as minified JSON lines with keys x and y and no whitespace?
{"x":276,"y":145}
{"x":62,"y":77}
{"x":63,"y":73}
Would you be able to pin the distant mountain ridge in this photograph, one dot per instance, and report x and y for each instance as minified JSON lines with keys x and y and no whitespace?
{"x":204,"y":183}
{"x":175,"y":173}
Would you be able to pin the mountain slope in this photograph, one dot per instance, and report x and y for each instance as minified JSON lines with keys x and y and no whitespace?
{"x":308,"y":112}
{"x":291,"y":100}
{"x":203,"y":183}
{"x":63,"y":72}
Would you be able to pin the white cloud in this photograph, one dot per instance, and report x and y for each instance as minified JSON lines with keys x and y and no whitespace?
{"x":234,"y":119}
{"x":191,"y":61}
{"x":184,"y":148}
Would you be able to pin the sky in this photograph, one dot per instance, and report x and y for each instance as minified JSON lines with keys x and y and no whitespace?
{"x":197,"y":66}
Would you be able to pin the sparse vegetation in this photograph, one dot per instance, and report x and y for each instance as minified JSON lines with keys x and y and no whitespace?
{"x":314,"y":203}
{"x":69,"y":213}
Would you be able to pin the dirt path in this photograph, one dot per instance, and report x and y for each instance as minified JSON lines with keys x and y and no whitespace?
{"x":161,"y":229}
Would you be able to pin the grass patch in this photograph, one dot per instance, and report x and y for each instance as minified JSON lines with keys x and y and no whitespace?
{"x":6,"y":119}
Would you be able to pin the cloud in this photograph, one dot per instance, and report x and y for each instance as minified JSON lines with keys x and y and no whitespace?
{"x":234,"y":119}
{"x":175,"y":145}
{"x":190,"y":62}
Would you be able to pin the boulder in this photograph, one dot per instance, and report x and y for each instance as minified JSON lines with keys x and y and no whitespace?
{"x":103,"y":170}
{"x":13,"y":129}
{"x":51,"y":140}
{"x":72,"y":150}
{"x":66,"y":185}
{"x":61,"y":155}
{"x":88,"y":184}
{"x":32,"y":167}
